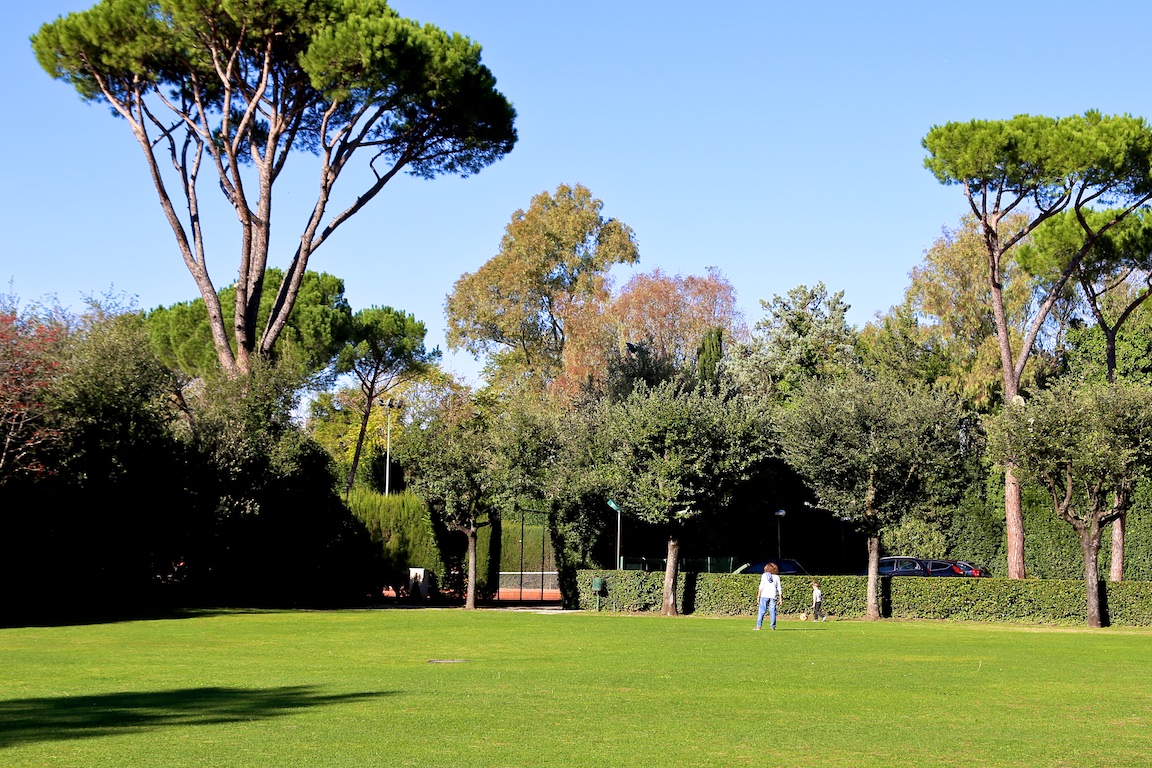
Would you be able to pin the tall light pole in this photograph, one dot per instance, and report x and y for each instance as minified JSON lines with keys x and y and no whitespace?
{"x":390,"y":405}
{"x":615,"y":506}
{"x":779,"y":545}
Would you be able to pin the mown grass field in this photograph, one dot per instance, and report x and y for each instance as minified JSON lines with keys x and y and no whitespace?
{"x":356,"y":688}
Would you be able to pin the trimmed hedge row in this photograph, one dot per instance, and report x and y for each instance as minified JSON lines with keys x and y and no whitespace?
{"x":1048,"y":601}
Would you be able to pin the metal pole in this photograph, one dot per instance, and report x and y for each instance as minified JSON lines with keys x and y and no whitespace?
{"x":619,"y":560}
{"x":388,"y":452}
{"x":543,"y":543}
{"x":779,"y":545}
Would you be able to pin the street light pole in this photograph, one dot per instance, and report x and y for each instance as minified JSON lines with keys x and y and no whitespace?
{"x":390,"y":404}
{"x":779,"y":542}
{"x":615,"y":506}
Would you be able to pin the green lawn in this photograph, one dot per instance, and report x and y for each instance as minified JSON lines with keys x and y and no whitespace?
{"x":356,"y":688}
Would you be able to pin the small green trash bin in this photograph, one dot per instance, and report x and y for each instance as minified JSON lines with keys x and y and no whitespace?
{"x":598,"y":589}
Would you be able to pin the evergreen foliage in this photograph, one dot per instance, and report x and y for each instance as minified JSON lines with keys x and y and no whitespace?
{"x":1055,"y":601}
{"x":235,"y":89}
{"x":402,"y":527}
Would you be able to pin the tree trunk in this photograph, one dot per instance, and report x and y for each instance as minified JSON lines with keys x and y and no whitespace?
{"x":1116,"y":571}
{"x":1014,"y":523}
{"x":359,"y":446}
{"x":1090,"y":546}
{"x":873,"y":610}
{"x":670,"y":570}
{"x":470,"y":589}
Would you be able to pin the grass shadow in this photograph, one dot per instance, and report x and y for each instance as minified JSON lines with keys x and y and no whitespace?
{"x":63,"y":718}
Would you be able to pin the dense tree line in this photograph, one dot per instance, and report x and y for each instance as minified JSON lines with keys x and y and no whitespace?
{"x":138,"y":487}
{"x":883,"y":428}
{"x":151,"y":458}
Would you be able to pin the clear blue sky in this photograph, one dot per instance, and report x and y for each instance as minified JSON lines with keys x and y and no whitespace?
{"x":778,"y":142}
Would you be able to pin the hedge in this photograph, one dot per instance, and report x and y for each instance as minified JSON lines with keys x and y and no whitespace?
{"x":1044,"y":601}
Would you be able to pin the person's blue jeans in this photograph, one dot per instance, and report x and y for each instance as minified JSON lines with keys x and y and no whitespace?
{"x":767,"y":605}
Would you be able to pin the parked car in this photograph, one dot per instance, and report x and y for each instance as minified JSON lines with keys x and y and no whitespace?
{"x":916,"y":566}
{"x":787,"y":567}
{"x":901,"y":566}
{"x":970,"y":569}
{"x":944,"y":568}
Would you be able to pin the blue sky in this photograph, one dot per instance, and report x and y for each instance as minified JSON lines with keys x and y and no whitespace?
{"x":779,"y":143}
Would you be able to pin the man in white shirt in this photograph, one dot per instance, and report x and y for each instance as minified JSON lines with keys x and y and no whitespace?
{"x":767,"y":595}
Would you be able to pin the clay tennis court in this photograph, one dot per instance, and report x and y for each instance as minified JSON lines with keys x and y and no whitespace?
{"x":528,"y":586}
{"x":515,"y":594}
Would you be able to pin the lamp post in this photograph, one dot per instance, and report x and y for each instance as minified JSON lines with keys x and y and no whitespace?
{"x":779,"y":545}
{"x":615,"y":506}
{"x":390,"y":405}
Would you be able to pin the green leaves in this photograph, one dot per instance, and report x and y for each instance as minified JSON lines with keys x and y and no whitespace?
{"x":236,"y":86}
{"x":804,"y":336}
{"x":111,"y":42}
{"x":1080,"y":442}
{"x":873,"y":450}
{"x":552,"y":259}
{"x":673,"y":455}
{"x":317,"y":327}
{"x":384,"y":344}
{"x":1043,"y":157}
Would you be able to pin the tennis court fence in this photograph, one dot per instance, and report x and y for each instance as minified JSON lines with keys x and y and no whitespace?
{"x":532,"y":586}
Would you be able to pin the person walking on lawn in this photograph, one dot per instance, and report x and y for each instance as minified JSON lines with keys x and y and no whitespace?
{"x":817,"y":606}
{"x":768,"y":594}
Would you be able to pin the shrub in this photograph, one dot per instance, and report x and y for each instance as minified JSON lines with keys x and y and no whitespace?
{"x":401,"y":526}
{"x":1048,"y":601}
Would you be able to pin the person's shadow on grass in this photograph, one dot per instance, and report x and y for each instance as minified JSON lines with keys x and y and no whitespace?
{"x":62,"y":718}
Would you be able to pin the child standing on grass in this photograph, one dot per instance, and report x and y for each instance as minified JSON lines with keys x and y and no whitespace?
{"x":817,"y":609}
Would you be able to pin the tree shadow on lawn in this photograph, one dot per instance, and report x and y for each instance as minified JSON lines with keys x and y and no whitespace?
{"x":81,"y":617}
{"x":63,"y":718}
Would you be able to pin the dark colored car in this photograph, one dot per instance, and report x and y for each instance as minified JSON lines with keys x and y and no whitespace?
{"x":787,"y":567}
{"x":917,"y":566}
{"x":944,"y":568}
{"x":902,"y":566}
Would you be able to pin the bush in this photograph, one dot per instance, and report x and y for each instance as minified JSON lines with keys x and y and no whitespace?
{"x":1050,"y":601}
{"x":401,"y":526}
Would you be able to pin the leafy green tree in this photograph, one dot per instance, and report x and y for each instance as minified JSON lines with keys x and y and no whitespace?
{"x":638,"y":365}
{"x":553,"y":259}
{"x":275,"y":528}
{"x":447,"y":453}
{"x":1087,"y":446}
{"x":950,"y":303}
{"x":1086,"y":347}
{"x":805,"y":335}
{"x":1115,"y":277}
{"x":903,"y":348}
{"x":709,"y":355}
{"x":317,"y":327}
{"x":235,"y":88}
{"x":872,"y":450}
{"x":576,"y":493}
{"x":1114,"y":274}
{"x":110,"y":403}
{"x":674,"y":455}
{"x":1050,"y":164}
{"x":386,"y":349}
